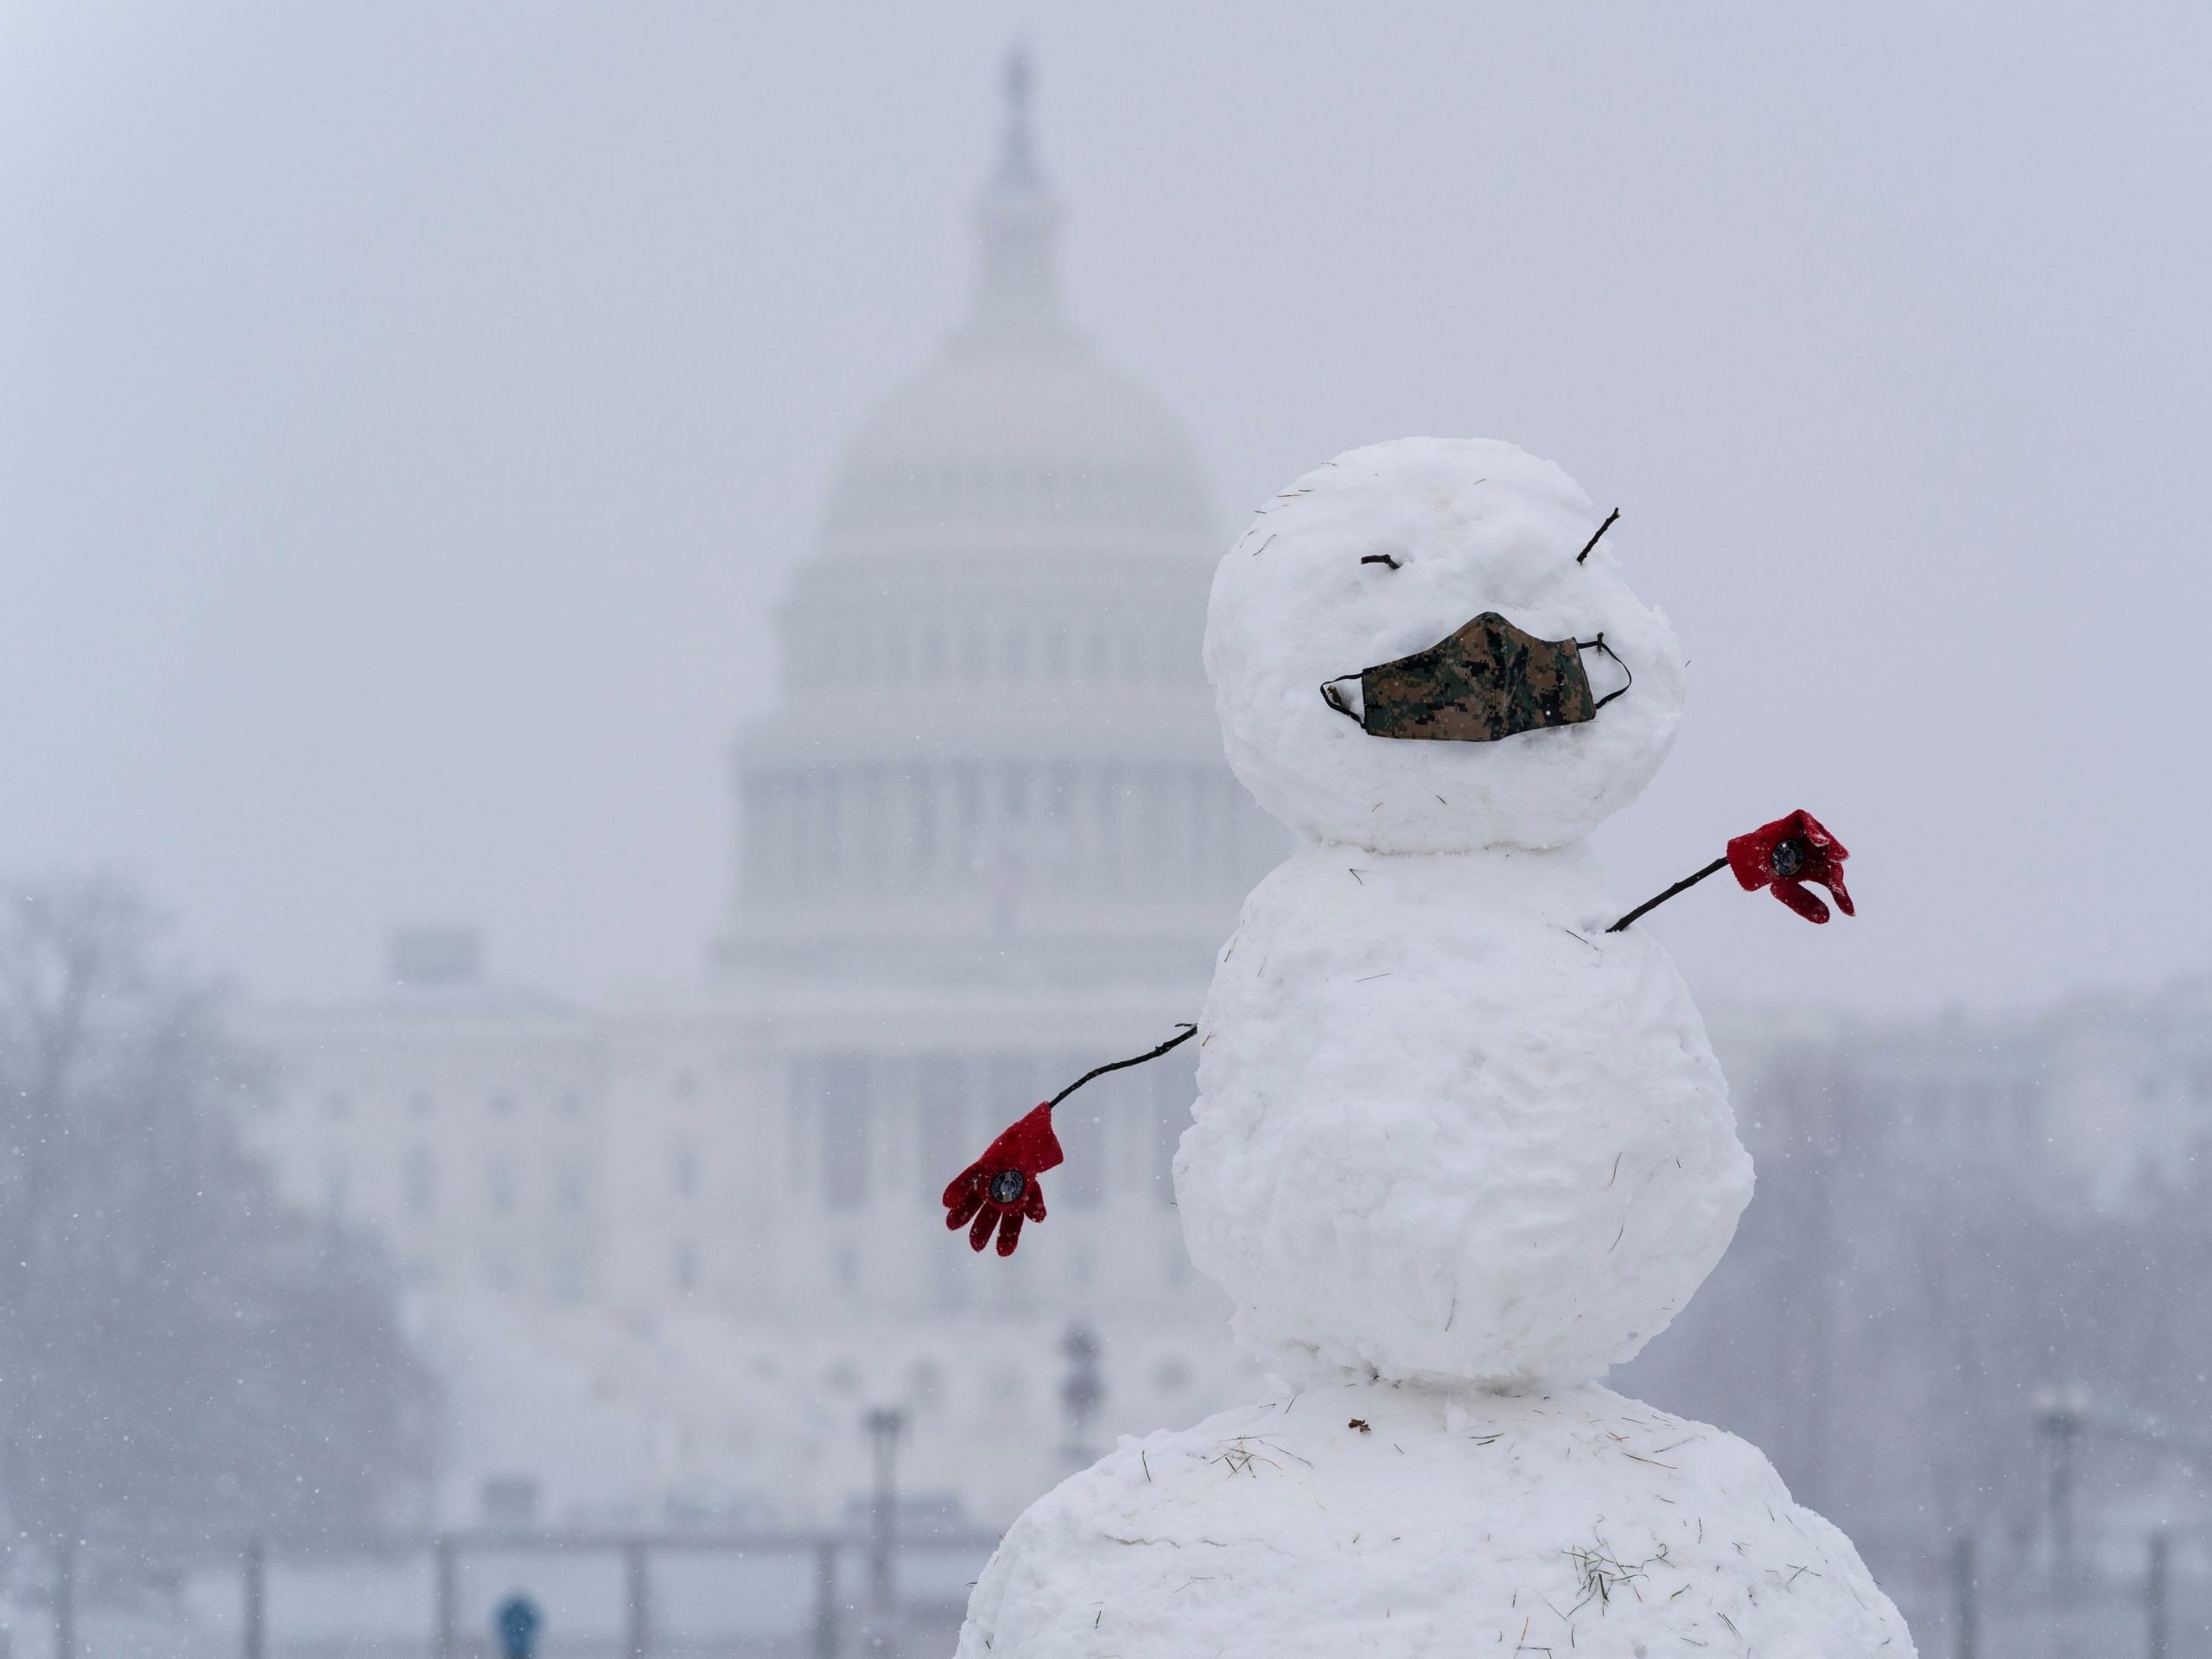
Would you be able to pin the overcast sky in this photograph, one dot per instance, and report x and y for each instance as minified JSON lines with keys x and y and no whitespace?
{"x":409,"y":412}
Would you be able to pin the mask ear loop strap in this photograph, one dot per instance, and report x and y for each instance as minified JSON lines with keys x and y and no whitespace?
{"x":1335,"y":699}
{"x":1598,"y":644}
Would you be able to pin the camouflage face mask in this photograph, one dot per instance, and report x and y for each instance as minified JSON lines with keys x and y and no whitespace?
{"x":1485,"y":680}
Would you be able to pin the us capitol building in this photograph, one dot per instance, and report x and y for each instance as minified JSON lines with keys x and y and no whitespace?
{"x":668,"y":1251}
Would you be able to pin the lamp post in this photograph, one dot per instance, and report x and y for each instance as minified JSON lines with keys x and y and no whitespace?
{"x":1082,"y":1392}
{"x":2062,"y":1415}
{"x":885,"y":1424}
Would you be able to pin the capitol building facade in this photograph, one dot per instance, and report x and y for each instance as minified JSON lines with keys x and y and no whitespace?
{"x":669,"y":1250}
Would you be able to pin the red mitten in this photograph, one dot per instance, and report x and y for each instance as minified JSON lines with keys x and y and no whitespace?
{"x":999,"y":1190}
{"x":1787,"y":854}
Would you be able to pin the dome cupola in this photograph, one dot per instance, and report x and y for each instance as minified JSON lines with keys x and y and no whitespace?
{"x":1016,"y":428}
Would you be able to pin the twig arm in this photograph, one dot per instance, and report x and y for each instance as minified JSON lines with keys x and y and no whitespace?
{"x":1658,"y":899}
{"x":1183,"y":1036}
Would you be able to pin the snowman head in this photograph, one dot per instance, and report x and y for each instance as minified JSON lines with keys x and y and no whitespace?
{"x":1407,"y":654}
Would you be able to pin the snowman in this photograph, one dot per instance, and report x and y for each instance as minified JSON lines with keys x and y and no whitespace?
{"x":1460,"y":1143}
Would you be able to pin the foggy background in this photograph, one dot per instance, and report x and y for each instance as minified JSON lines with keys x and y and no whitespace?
{"x":409,"y":412}
{"x":410,"y":418}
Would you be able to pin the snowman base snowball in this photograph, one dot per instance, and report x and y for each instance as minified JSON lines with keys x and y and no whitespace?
{"x":1456,"y":1521}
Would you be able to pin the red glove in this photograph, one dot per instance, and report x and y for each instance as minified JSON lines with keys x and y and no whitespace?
{"x":1000,"y":1188}
{"x":1787,"y":854}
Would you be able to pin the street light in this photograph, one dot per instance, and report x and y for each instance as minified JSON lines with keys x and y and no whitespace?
{"x":2062,"y":1415}
{"x":1082,"y":1392}
{"x":885,"y":1424}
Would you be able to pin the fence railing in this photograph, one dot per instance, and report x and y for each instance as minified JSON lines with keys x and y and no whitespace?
{"x":804,"y":1594}
{"x":831,"y":1594}
{"x":2144,"y":1593}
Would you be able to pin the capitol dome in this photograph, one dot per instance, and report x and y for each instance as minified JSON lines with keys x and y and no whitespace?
{"x":1016,"y":428}
{"x":993,"y":755}
{"x":1016,"y":439}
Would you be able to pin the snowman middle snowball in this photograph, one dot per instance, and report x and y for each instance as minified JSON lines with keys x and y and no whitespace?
{"x":1446,"y":1126}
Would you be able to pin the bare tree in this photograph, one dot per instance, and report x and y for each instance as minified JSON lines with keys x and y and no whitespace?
{"x":1899,"y":1290}
{"x":179,"y":1353}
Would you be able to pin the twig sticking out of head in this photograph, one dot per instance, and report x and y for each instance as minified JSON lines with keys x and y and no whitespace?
{"x":1601,"y":530}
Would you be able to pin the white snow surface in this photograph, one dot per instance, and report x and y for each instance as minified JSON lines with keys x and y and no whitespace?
{"x":1576,"y":1521}
{"x":1475,"y":525}
{"x":1448,"y":1127}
